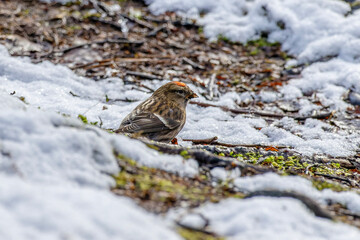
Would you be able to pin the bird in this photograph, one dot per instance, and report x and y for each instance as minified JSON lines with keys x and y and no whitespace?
{"x":160,"y":117}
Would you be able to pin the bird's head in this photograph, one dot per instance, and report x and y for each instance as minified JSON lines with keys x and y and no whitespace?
{"x":176,"y":91}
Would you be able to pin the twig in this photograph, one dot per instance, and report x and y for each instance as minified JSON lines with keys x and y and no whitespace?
{"x":184,"y":22}
{"x":202,"y":141}
{"x":335,"y":177}
{"x":308,"y":202}
{"x":238,"y":111}
{"x":155,"y":31}
{"x":318,"y":116}
{"x":73,"y":94}
{"x":205,"y":158}
{"x":114,"y":25}
{"x":213,"y":141}
{"x":138,"y":21}
{"x":193,"y":64}
{"x":146,"y":87}
{"x":110,"y":61}
{"x":121,"y":100}
{"x":310,"y":166}
{"x":211,"y":86}
{"x":348,"y":213}
{"x":118,"y":41}
{"x":196,"y":229}
{"x":263,"y":114}
{"x":247,"y":145}
{"x":142,"y":75}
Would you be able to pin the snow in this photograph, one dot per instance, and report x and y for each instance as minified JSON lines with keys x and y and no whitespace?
{"x":271,"y":218}
{"x":300,"y":185}
{"x":44,"y":211}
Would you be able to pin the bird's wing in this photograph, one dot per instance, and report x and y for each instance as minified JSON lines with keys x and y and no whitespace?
{"x":147,"y":122}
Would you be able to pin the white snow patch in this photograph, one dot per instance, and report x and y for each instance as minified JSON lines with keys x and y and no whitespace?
{"x":298,"y":184}
{"x":55,"y":212}
{"x":271,"y":218}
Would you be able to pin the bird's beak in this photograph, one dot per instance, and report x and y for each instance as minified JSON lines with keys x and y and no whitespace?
{"x":193,"y":95}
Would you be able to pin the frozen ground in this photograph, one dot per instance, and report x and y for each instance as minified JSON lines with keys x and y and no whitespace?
{"x":55,"y":171}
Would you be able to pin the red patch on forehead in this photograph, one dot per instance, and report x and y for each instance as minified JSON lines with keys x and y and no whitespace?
{"x":180,"y":84}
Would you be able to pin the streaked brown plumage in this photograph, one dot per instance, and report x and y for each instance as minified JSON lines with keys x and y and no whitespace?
{"x":161,"y":116}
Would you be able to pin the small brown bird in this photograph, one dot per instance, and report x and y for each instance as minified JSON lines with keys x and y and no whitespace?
{"x":161,"y":116}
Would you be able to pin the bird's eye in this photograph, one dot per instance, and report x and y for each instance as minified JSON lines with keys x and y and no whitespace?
{"x":180,"y":91}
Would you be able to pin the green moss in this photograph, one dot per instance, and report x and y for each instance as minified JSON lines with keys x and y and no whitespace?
{"x":90,"y":14}
{"x":71,"y":3}
{"x":126,"y":159}
{"x":331,"y":169}
{"x":185,"y":154}
{"x":163,"y":187}
{"x":25,"y":12}
{"x":254,"y":52}
{"x":83,"y":119}
{"x":153,"y":147}
{"x":223,"y":38}
{"x":196,"y":235}
{"x":283,"y":164}
{"x":262,"y":42}
{"x":252,"y":157}
{"x":320,"y":185}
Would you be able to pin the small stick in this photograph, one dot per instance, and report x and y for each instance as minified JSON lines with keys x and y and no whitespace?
{"x":247,"y":145}
{"x":264,"y":114}
{"x":155,"y":31}
{"x":138,"y":21}
{"x":114,"y":25}
{"x":211,"y":86}
{"x":308,"y":202}
{"x":202,"y":141}
{"x":118,"y":41}
{"x":142,"y":75}
{"x":335,"y":177}
{"x":193,"y":64}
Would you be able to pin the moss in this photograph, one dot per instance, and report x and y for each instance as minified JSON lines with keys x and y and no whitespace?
{"x":22,"y":98}
{"x":331,"y":169}
{"x":71,"y":3}
{"x":90,"y":14}
{"x":25,"y":12}
{"x":196,"y":235}
{"x":166,"y":189}
{"x":223,"y":38}
{"x":262,"y":42}
{"x":321,"y":185}
{"x":281,"y":163}
{"x":185,"y":154}
{"x":153,"y":147}
{"x":83,"y":119}
{"x":254,"y":52}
